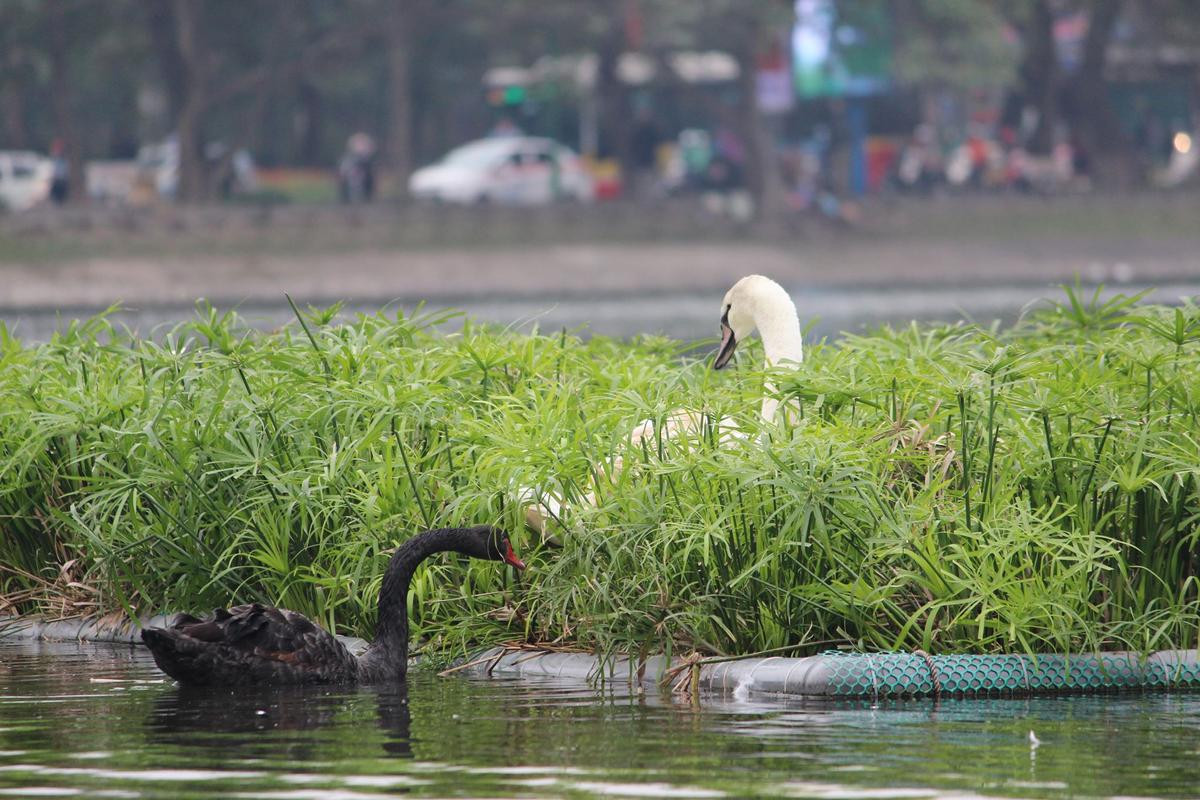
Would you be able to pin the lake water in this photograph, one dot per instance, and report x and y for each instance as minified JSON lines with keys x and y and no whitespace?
{"x":687,"y":316}
{"x":101,"y":721}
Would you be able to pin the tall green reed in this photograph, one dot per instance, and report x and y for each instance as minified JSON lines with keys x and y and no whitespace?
{"x":942,"y":487}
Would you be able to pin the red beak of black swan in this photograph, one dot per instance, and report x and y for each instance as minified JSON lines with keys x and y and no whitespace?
{"x":511,"y":557}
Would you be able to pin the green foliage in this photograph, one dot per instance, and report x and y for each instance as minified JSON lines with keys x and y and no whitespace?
{"x":955,"y":43}
{"x":946,"y":488}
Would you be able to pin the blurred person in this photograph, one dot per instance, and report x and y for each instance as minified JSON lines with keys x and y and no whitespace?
{"x":725,"y":171}
{"x":722,"y":174}
{"x":688,"y":161}
{"x":976,"y":145}
{"x":723,"y":181}
{"x":356,"y":170}
{"x":1081,"y":159}
{"x":1011,"y":158}
{"x":920,"y":163}
{"x":643,"y":146}
{"x":60,"y":173}
{"x":837,"y":153}
{"x":727,"y":144}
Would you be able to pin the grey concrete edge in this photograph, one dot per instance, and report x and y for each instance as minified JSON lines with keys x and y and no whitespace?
{"x":776,"y":675}
{"x":104,"y":629}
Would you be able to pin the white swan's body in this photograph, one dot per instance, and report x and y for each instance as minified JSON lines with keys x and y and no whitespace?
{"x":753,"y":303}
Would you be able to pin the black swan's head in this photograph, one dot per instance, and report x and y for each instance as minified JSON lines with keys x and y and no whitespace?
{"x":490,"y":543}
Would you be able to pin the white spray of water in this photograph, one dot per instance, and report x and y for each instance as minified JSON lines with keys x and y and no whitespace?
{"x":742,"y":690}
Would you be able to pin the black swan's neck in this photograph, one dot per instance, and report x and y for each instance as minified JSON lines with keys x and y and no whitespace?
{"x":388,"y":654}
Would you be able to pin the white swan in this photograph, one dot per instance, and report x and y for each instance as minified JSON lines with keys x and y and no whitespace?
{"x":755,"y":302}
{"x":759,"y":303}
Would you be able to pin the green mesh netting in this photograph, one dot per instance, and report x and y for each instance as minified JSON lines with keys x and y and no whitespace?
{"x":910,"y":674}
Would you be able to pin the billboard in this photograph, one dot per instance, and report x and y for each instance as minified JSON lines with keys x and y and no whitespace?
{"x":841,"y":49}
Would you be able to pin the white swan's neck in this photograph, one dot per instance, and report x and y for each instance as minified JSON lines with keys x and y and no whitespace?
{"x":779,"y":327}
{"x":780,"y":333}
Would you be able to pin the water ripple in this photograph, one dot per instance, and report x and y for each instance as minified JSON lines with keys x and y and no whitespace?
{"x":96,"y":721}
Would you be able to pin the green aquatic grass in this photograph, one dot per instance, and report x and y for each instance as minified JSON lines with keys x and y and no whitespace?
{"x":950,"y":488}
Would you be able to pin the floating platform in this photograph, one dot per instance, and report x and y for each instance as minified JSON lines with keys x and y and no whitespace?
{"x":833,"y":674}
{"x":874,"y":675}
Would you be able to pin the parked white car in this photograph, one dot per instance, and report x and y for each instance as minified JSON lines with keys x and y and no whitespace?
{"x":24,"y":179}
{"x":516,"y":170}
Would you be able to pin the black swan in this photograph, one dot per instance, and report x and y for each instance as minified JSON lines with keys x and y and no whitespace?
{"x":257,"y":644}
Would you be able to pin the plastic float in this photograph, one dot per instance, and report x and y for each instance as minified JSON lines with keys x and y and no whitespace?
{"x":120,"y":630}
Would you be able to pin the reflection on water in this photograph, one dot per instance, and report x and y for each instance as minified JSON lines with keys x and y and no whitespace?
{"x":236,"y":719}
{"x":100,"y":720}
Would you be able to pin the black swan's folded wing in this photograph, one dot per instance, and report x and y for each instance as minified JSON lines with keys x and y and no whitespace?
{"x":250,"y":644}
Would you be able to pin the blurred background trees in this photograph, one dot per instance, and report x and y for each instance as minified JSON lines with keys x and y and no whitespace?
{"x":290,"y":80}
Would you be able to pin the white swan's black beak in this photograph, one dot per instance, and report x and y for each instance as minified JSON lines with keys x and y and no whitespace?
{"x":728,"y":345}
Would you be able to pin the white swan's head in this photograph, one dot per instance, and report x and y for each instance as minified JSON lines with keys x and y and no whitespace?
{"x":758,"y":303}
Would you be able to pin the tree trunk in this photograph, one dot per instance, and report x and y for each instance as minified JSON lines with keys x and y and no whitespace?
{"x":162,"y":30}
{"x":611,"y":99}
{"x":312,"y":129}
{"x":762,"y":174}
{"x":62,"y":102}
{"x":1039,"y":75}
{"x":400,"y":25}
{"x":193,"y":174}
{"x":282,"y":30}
{"x":14,"y":76}
{"x":1097,"y":130}
{"x":12,"y":100}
